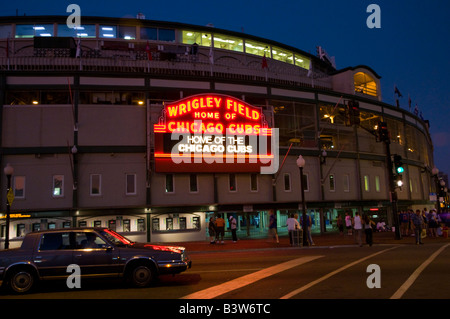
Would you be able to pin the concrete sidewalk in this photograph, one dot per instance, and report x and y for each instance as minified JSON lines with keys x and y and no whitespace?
{"x":331,"y":239}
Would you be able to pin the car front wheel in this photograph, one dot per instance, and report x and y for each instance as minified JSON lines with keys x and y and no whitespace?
{"x":141,"y":276}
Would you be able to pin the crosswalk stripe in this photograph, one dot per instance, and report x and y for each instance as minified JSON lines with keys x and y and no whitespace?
{"x":240,"y":282}
{"x":301,"y":289}
{"x":399,"y":293}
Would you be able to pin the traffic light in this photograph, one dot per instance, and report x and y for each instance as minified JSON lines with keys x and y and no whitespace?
{"x":398,"y":168}
{"x":383,"y":133}
{"x":353,"y":111}
{"x":398,"y":164}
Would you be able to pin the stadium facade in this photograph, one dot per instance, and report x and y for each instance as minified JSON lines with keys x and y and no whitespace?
{"x":84,"y":112}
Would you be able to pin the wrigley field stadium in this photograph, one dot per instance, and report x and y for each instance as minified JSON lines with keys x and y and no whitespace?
{"x":151,"y":128}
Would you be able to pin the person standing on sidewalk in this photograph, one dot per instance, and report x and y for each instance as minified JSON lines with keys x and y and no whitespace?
{"x":220,"y":226}
{"x":292,"y":226}
{"x":233,"y":226}
{"x":340,"y":225}
{"x":357,"y":228}
{"x":212,"y":231}
{"x":348,"y":223}
{"x":418,"y":224}
{"x":273,"y":225}
{"x":368,"y":229}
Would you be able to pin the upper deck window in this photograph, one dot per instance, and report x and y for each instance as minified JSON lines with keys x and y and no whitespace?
{"x":166,"y":35}
{"x":282,"y":55}
{"x":364,"y":83}
{"x":127,"y":33}
{"x":302,"y":61}
{"x":83,"y":31}
{"x":34,"y":30}
{"x":257,"y":48}
{"x":225,"y":42}
{"x":107,"y":31}
{"x":5,"y":31}
{"x":149,"y":34}
{"x":191,"y":37}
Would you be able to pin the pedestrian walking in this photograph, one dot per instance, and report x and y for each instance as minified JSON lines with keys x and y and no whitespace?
{"x":433,"y":223}
{"x":273,"y":226}
{"x":348,"y":223}
{"x":368,"y":229}
{"x":292,"y":225}
{"x":220,"y":228}
{"x":418,"y":224}
{"x":404,"y":222}
{"x":357,"y":229}
{"x":340,"y":224}
{"x":233,"y":226}
{"x":307,"y":231}
{"x":212,"y":231}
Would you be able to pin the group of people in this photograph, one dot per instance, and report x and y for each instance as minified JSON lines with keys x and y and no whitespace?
{"x":216,"y":229}
{"x":429,"y":222}
{"x":293,"y":224}
{"x":356,"y":225}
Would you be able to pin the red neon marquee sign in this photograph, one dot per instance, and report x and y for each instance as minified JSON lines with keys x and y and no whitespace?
{"x":220,"y":130}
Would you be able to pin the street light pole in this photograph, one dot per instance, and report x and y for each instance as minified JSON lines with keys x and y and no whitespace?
{"x":9,"y":170}
{"x":301,"y":163}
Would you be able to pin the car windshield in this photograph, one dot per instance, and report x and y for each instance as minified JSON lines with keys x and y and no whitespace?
{"x":115,"y":238}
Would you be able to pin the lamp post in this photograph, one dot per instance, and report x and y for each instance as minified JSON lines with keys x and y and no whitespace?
{"x":301,"y":163}
{"x":9,"y":170}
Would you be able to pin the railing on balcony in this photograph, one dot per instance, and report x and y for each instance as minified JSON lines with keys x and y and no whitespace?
{"x":174,"y":60}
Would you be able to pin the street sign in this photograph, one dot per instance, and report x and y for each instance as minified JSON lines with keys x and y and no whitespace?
{"x":10,"y":196}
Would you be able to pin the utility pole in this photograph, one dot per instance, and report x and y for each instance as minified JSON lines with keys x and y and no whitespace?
{"x":384,"y":137}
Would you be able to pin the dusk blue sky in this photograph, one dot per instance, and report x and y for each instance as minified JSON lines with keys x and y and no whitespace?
{"x":410,"y":50}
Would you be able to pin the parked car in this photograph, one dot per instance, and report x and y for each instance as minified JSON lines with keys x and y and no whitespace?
{"x":99,"y":252}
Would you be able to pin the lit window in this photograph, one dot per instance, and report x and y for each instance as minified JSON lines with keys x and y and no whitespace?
{"x":282,"y":55}
{"x":83,"y":31}
{"x":31,"y":30}
{"x":377,"y":184}
{"x":228,"y":43}
{"x":365,"y":84}
{"x":107,"y":31}
{"x":201,"y":38}
{"x":58,"y":186}
{"x":366,"y":183}
{"x":302,"y":61}
{"x":257,"y":48}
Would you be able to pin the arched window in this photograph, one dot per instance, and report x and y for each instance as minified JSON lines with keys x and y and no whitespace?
{"x":364,"y":83}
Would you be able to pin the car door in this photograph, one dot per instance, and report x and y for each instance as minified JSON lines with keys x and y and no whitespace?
{"x":53,"y":255}
{"x":95,"y":256}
